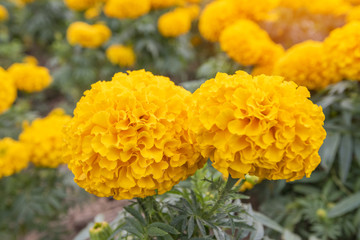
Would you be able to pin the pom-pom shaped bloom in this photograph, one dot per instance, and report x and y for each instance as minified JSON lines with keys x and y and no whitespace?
{"x":121,"y":55}
{"x":248,"y":44}
{"x":14,"y":157}
{"x":88,"y":36}
{"x":127,"y":8}
{"x":129,"y":137}
{"x":343,"y":49}
{"x":45,"y":140}
{"x":307,"y":65}
{"x":175,"y":23}
{"x":80,"y":5}
{"x":30,"y":77}
{"x":8,"y":91}
{"x":261,"y":126}
{"x":4,"y":15}
{"x":157,"y":4}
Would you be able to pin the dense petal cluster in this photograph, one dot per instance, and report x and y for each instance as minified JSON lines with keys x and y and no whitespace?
{"x":177,"y":22}
{"x":307,"y":65}
{"x":127,"y":8}
{"x":8,"y":91}
{"x":80,"y":5}
{"x":248,"y":44}
{"x":261,"y":126}
{"x":129,"y":137}
{"x":45,"y":140}
{"x":88,"y":36}
{"x":329,"y":7}
{"x":121,"y":55}
{"x":30,"y":77}
{"x":4,"y":15}
{"x":14,"y":157}
{"x":343,"y":48}
{"x":353,"y":14}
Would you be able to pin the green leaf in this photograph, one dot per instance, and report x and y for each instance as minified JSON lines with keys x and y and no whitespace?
{"x":357,"y":150}
{"x":346,"y":205}
{"x":290,"y":236}
{"x":268,"y":222}
{"x":328,"y":150}
{"x":191,"y":226}
{"x":156,"y":232}
{"x":345,"y":156}
{"x":165,"y":227}
{"x":136,"y":214}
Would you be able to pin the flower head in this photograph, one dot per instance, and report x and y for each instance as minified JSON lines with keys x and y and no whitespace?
{"x":45,"y":140}
{"x":80,"y":5}
{"x":307,"y":65}
{"x":175,"y":23}
{"x":4,"y":15}
{"x":30,"y":77}
{"x":14,"y":157}
{"x":261,"y":126}
{"x":8,"y":91}
{"x":343,"y":49}
{"x":129,"y":137}
{"x":157,"y":4}
{"x":121,"y":55}
{"x":127,"y":8}
{"x":88,"y":36}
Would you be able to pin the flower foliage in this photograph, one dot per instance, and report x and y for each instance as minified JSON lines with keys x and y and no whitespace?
{"x":121,"y":55}
{"x":126,"y":8}
{"x":261,"y":126}
{"x":7,"y":90}
{"x":30,"y":77}
{"x":315,"y":72}
{"x":45,"y":140}
{"x":248,"y":44}
{"x":343,"y":48}
{"x":14,"y":157}
{"x":129,"y":137}
{"x":88,"y":36}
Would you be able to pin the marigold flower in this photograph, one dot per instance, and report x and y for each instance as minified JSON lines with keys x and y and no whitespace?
{"x":127,"y":8}
{"x":343,"y":49}
{"x":29,"y":77}
{"x":88,"y":36}
{"x":353,"y":14}
{"x":261,"y":126}
{"x":307,"y":65}
{"x":175,"y":23}
{"x":80,"y":5}
{"x":14,"y":157}
{"x":157,"y":4}
{"x":121,"y":55}
{"x":8,"y":91}
{"x":31,"y":60}
{"x":248,"y":44}
{"x":45,"y":140}
{"x":129,"y":137}
{"x":4,"y":15}
{"x":326,"y":7}
{"x":92,"y":12}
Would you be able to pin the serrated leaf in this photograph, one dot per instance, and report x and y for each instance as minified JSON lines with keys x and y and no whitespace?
{"x":156,"y":232}
{"x":191,"y":226}
{"x":328,"y":150}
{"x":136,"y":215}
{"x":344,"y":206}
{"x":345,"y":156}
{"x":165,"y":227}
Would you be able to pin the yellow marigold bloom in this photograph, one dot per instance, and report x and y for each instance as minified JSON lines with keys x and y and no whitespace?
{"x":307,"y":65}
{"x":14,"y":157}
{"x":127,"y":8}
{"x":45,"y":140}
{"x":129,"y":137}
{"x":328,"y":7}
{"x":8,"y":91}
{"x":250,"y":182}
{"x":88,"y":36}
{"x":93,"y":12}
{"x":29,"y":77}
{"x":30,"y":59}
{"x":353,"y":14}
{"x":157,"y":4}
{"x":121,"y":55}
{"x":175,"y":23}
{"x":4,"y":15}
{"x":343,"y":48}
{"x":248,"y":44}
{"x":80,"y":5}
{"x":354,"y":2}
{"x":261,"y":126}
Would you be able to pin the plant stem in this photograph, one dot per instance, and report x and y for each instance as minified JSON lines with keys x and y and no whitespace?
{"x":229,"y":184}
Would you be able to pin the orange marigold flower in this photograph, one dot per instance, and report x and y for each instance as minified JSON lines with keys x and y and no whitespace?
{"x":176,"y":22}
{"x":261,"y":126}
{"x":129,"y":137}
{"x":127,"y":8}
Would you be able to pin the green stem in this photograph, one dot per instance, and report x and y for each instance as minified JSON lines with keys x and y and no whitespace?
{"x":143,"y":208}
{"x":340,"y":185}
{"x":229,"y":185}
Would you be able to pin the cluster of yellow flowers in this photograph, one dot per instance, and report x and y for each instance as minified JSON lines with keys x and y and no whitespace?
{"x":261,"y":126}
{"x":29,"y":77}
{"x":129,"y":137}
{"x":45,"y":140}
{"x":127,"y":8}
{"x":121,"y":55}
{"x":4,"y":15}
{"x":14,"y":157}
{"x":178,"y":21}
{"x":88,"y":36}
{"x":8,"y":91}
